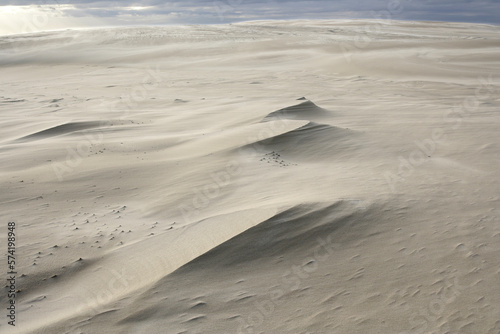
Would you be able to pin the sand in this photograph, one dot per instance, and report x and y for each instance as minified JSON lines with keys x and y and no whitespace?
{"x":260,"y":177}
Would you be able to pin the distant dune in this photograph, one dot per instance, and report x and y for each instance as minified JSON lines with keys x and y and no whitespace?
{"x":260,"y":177}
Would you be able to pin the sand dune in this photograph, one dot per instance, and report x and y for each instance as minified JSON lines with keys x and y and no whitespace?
{"x":260,"y":177}
{"x":61,"y":130}
{"x":312,"y":141}
{"x":306,"y":110}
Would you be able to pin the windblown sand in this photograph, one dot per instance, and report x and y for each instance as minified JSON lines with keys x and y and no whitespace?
{"x":263,"y":177}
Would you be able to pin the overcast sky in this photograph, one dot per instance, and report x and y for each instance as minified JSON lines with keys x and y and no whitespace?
{"x":26,"y":16}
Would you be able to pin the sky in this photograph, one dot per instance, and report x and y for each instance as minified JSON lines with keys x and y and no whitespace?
{"x":23,"y":16}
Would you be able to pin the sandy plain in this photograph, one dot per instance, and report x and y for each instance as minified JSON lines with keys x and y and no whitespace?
{"x":259,"y":177}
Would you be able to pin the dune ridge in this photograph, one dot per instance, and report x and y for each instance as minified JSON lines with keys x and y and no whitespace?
{"x":307,"y":110}
{"x":61,"y":130}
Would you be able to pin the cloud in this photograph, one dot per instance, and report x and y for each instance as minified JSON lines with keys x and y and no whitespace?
{"x":131,"y":12}
{"x":229,"y":10}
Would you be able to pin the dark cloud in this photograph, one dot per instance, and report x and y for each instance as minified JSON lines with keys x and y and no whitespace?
{"x":225,"y":11}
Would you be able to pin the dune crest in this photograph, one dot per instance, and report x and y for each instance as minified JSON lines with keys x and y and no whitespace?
{"x":306,"y":111}
{"x":61,"y":130}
